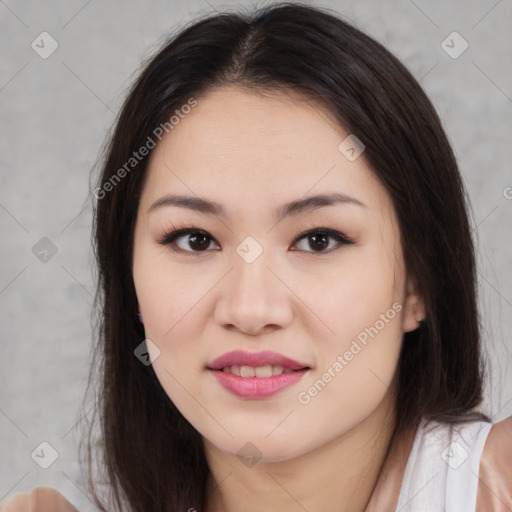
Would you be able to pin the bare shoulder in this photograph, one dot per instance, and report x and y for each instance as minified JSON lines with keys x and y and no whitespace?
{"x":39,"y":499}
{"x":495,"y":477}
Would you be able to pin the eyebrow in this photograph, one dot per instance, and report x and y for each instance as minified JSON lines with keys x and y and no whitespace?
{"x":292,"y":208}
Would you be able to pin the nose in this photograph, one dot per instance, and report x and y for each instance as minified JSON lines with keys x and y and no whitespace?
{"x":254,"y":299}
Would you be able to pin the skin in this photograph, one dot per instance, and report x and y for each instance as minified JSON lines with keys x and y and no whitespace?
{"x":253,"y":153}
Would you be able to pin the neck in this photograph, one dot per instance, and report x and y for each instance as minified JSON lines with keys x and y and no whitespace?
{"x":339,"y":476}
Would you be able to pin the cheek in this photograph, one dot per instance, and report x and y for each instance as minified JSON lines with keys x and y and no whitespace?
{"x":356,"y":366}
{"x":170,"y":303}
{"x":363,"y":353}
{"x":347,"y":391}
{"x":356,"y":292}
{"x":168,"y":299}
{"x":363,"y":306}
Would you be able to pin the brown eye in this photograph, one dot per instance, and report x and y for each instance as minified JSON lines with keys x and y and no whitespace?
{"x":318,"y":240}
{"x":198,"y":240}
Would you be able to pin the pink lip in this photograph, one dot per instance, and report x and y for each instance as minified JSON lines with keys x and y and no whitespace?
{"x":256,"y":387}
{"x":242,"y":358}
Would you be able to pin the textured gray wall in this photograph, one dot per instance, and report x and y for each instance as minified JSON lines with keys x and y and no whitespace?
{"x":55,"y":113}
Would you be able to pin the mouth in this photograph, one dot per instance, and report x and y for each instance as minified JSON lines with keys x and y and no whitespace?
{"x":256,"y":375}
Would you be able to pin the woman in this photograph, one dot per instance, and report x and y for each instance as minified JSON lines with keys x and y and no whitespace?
{"x":287,"y":284}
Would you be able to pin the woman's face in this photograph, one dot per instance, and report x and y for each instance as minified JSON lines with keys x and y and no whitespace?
{"x":254,"y":280}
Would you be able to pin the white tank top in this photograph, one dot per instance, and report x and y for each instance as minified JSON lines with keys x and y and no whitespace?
{"x":441,"y":474}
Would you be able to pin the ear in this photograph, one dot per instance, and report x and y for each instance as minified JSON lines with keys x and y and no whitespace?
{"x":414,"y":306}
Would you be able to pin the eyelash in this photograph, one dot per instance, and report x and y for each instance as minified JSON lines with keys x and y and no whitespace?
{"x":175,"y":232}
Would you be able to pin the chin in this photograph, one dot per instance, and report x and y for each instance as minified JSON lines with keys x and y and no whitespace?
{"x":251,"y":449}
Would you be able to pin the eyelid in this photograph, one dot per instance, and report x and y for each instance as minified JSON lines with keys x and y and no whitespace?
{"x":169,"y":237}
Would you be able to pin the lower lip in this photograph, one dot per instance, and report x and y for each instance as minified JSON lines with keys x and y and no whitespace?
{"x":255,"y":387}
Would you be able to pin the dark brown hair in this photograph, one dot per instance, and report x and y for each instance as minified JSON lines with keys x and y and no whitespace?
{"x":153,"y":457}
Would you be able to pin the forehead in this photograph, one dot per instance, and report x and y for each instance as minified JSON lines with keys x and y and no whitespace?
{"x":240,"y":145}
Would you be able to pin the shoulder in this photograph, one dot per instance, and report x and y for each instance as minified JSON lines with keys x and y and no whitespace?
{"x":495,"y":475}
{"x":39,"y":499}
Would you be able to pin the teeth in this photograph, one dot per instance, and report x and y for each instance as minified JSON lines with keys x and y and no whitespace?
{"x":277,"y":370}
{"x":263,"y":371}
{"x":247,"y":371}
{"x":260,"y":371}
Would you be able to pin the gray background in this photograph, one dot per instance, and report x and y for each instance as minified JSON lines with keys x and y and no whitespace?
{"x":55,"y":113}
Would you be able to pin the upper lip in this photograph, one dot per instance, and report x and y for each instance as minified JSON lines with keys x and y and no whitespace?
{"x":255,"y":359}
